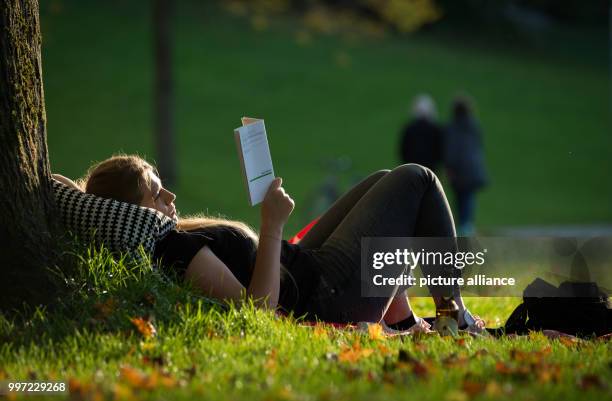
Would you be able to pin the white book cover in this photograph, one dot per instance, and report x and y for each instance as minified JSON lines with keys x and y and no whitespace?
{"x":255,"y":159}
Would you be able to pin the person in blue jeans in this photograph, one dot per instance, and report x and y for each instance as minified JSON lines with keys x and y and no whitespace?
{"x":464,"y":162}
{"x":318,"y":278}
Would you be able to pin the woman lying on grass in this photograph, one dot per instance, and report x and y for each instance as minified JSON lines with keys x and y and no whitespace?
{"x":320,"y":276}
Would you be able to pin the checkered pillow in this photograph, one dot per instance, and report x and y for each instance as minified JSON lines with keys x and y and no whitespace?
{"x":122,"y":227}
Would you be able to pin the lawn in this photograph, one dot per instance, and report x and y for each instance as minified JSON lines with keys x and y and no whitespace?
{"x":544,"y":109}
{"x":127,"y":333}
{"x":545,"y":114}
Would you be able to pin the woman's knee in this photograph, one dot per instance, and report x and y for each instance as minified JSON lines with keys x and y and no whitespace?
{"x":378,"y":174}
{"x":414,"y":172}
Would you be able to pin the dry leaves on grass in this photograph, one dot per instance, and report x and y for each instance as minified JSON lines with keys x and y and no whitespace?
{"x":144,"y":326}
{"x":271,"y":362}
{"x":376,"y":332}
{"x":320,"y":332}
{"x":473,"y":387}
{"x":81,"y":390}
{"x":354,"y":353}
{"x":137,"y":379}
{"x":524,"y":364}
{"x":405,"y":362}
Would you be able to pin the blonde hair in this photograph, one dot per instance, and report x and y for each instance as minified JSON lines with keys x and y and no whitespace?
{"x":125,"y":178}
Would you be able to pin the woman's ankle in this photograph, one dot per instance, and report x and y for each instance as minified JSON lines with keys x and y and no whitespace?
{"x":404,"y":324}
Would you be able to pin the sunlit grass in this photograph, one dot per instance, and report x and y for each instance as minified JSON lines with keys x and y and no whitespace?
{"x":207,"y":351}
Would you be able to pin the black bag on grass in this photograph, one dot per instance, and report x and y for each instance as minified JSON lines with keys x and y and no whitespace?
{"x":580,"y":309}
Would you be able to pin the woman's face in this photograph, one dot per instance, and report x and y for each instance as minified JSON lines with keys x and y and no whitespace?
{"x":159,"y":198}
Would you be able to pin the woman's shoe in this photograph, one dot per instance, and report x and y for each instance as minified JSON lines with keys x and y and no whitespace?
{"x":412,"y":324}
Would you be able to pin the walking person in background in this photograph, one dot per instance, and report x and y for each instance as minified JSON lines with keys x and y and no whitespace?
{"x":421,"y":139}
{"x":464,"y":162}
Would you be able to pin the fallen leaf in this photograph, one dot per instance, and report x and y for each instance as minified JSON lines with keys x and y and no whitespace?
{"x":133,"y":376}
{"x":122,"y":392}
{"x":420,"y":369}
{"x":454,"y":360}
{"x":270,"y":364}
{"x":472,"y":387}
{"x":548,"y":373}
{"x":384,"y":350}
{"x":481,"y":352}
{"x":376,"y":332}
{"x":569,"y":342}
{"x":493,"y":389}
{"x":503,"y":368}
{"x":354,"y":353}
{"x":320,"y":332}
{"x":137,"y":379}
{"x":144,"y":326}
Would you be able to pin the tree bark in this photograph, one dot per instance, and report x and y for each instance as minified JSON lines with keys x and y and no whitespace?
{"x":27,"y":222}
{"x":164,"y":96}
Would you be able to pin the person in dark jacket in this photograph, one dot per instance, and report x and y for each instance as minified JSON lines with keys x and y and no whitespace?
{"x":421,"y":139}
{"x":464,"y":162}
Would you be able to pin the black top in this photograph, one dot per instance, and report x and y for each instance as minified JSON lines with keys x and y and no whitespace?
{"x":175,"y":251}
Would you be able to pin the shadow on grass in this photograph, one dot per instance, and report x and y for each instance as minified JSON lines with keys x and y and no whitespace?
{"x":103,"y":294}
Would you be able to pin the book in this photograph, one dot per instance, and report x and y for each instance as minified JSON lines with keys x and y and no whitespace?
{"x":255,"y":159}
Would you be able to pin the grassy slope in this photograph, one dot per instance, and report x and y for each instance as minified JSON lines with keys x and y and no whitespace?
{"x":545,"y":117}
{"x":97,"y":76}
{"x":205,"y":352}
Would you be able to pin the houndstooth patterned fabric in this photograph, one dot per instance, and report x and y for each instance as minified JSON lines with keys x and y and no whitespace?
{"x":122,"y":227}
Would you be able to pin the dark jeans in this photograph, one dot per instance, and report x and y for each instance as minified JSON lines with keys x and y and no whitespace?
{"x":466,"y":208}
{"x":407,"y":201}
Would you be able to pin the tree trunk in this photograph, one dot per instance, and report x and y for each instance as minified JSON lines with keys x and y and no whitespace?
{"x":164,"y":96}
{"x":27,"y":206}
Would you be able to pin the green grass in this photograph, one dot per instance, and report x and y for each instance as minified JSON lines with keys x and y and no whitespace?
{"x":205,"y":351}
{"x":546,"y":121}
{"x":545,"y":112}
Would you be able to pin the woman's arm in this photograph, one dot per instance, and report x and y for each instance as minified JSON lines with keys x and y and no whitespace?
{"x":215,"y":279}
{"x":66,"y":181}
{"x":275,"y":210}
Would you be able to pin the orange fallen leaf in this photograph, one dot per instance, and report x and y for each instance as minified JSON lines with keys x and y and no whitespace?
{"x":420,"y":369}
{"x":137,"y":379}
{"x":375,"y":331}
{"x":568,"y":341}
{"x":383,"y":349}
{"x":549,"y":373}
{"x":133,"y":376}
{"x":270,"y":364}
{"x":503,"y":368}
{"x":354,"y":353}
{"x":144,"y":326}
{"x":472,"y":387}
{"x":320,"y":332}
{"x":122,"y":392}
